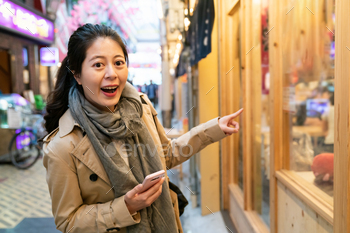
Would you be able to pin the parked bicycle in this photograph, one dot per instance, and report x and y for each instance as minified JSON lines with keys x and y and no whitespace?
{"x":21,"y":125}
{"x":24,"y":149}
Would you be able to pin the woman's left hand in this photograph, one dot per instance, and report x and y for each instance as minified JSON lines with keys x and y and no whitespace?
{"x":228,"y":125}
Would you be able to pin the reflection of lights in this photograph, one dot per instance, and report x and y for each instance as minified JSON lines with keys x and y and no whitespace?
{"x":187,"y":23}
{"x":159,"y":51}
{"x":3,"y":104}
{"x":191,"y":11}
{"x":186,"y":11}
{"x":172,"y":71}
{"x":180,"y":37}
{"x":178,"y":46}
{"x":59,"y":64}
{"x":176,"y":56}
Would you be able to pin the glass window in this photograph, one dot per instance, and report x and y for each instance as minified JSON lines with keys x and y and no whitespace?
{"x":308,"y":93}
{"x":260,"y":118}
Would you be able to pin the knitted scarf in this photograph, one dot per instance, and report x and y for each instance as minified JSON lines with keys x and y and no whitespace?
{"x":126,"y":124}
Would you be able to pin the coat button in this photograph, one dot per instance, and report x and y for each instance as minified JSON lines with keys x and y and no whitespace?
{"x":93,"y":177}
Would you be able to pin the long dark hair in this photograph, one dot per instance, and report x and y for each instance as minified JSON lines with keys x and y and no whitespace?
{"x":79,"y":42}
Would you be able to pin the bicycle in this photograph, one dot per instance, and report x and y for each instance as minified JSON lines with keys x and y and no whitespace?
{"x":24,"y":150}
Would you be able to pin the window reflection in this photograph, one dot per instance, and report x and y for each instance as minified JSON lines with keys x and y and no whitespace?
{"x":308,"y":94}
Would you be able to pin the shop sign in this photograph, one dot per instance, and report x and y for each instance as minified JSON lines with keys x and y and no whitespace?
{"x":20,"y":20}
{"x":49,"y":56}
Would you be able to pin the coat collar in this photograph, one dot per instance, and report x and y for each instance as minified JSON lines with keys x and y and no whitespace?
{"x":148,"y":102}
{"x":66,"y":123}
{"x":85,"y":152}
{"x":83,"y":149}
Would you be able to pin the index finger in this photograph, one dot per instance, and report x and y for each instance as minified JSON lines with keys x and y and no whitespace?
{"x":236,"y":114}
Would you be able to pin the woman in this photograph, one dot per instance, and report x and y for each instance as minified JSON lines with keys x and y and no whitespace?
{"x":105,"y":139}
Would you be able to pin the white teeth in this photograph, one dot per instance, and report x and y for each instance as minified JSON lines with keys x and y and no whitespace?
{"x":109,"y":88}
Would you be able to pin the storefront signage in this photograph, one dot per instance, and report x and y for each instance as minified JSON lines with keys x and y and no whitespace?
{"x":20,"y":20}
{"x":48,"y":56}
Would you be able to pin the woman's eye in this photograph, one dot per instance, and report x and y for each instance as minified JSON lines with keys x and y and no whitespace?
{"x":119,"y":63}
{"x":98,"y":65}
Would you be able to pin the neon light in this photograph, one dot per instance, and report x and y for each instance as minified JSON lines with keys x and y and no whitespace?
{"x":24,"y":21}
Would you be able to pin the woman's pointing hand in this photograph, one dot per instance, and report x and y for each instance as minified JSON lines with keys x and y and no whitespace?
{"x":227,"y":123}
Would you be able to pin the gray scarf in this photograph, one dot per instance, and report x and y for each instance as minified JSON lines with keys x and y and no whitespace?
{"x":125,"y":123}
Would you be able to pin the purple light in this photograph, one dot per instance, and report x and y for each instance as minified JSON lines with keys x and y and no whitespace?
{"x":22,"y":140}
{"x":19,"y":19}
{"x":48,"y":56}
{"x":18,"y":99}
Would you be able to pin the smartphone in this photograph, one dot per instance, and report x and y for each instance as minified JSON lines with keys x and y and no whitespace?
{"x":152,"y":179}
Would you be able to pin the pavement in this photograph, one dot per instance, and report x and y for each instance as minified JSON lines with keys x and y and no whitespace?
{"x":25,"y":203}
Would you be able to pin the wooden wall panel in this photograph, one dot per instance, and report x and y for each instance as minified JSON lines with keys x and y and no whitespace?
{"x":295,"y":216}
{"x":245,"y":221}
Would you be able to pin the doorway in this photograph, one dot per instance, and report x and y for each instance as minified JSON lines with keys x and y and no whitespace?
{"x":5,"y":72}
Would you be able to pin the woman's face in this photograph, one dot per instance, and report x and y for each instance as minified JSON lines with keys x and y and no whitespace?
{"x":104,"y":73}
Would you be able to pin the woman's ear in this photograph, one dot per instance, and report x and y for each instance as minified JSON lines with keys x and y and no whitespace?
{"x":77,"y":78}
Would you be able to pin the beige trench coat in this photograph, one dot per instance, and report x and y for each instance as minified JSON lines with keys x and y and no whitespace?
{"x":82,"y":196}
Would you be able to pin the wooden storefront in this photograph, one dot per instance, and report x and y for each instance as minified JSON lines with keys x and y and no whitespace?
{"x":278,"y":59}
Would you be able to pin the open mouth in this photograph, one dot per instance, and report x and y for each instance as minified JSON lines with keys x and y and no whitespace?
{"x":109,"y":89}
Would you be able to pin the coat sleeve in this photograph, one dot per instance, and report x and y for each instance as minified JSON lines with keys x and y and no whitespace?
{"x":70,"y":213}
{"x":179,"y":150}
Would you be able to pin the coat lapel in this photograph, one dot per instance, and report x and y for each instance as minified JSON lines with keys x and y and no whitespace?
{"x":85,"y":152}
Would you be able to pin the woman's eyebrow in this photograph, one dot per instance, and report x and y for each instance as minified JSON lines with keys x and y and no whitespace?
{"x":99,"y":56}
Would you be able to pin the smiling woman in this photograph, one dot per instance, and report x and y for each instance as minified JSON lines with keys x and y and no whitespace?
{"x":104,"y":73}
{"x":89,"y":56}
{"x":104,"y":136}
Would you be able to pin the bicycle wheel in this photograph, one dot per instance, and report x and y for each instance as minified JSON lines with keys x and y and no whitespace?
{"x":23,"y":149}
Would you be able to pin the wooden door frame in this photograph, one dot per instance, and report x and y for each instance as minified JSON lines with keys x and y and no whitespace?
{"x":240,"y":203}
{"x":276,"y":124}
{"x":342,"y":128}
{"x":229,"y":160}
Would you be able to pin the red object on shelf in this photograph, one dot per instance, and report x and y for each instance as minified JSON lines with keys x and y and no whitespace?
{"x":323,"y":166}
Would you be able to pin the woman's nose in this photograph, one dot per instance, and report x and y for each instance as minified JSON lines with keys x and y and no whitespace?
{"x":111,"y":72}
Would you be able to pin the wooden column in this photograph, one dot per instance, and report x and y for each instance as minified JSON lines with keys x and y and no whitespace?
{"x":276,"y":72}
{"x":247,"y":80}
{"x":341,"y":139}
{"x":230,"y":89}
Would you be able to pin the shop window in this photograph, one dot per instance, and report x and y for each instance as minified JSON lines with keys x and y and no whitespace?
{"x":308,"y":91}
{"x":259,"y":58}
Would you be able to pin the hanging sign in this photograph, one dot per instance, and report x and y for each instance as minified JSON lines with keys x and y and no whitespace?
{"x":48,"y":56}
{"x":17,"y":19}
